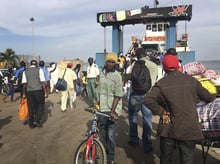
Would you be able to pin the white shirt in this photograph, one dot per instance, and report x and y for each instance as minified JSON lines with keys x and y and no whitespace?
{"x":41,"y":73}
{"x":92,"y":71}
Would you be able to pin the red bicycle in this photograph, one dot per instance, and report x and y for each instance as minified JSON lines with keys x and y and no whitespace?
{"x":91,"y":150}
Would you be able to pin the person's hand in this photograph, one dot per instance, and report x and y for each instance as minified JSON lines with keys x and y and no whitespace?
{"x":113,"y":116}
{"x":166,"y":118}
{"x":97,"y":84}
{"x":46,"y":95}
{"x":93,"y":110}
{"x":23,"y":95}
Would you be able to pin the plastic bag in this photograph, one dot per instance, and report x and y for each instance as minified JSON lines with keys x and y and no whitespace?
{"x":23,"y":110}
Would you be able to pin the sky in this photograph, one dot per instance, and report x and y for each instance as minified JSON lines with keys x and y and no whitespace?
{"x":68,"y":29}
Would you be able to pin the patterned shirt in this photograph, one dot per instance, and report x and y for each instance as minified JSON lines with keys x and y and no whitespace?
{"x":110,"y":86}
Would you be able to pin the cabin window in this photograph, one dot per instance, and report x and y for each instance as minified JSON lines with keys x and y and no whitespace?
{"x":166,"y":26}
{"x":148,"y":27}
{"x":160,"y":27}
{"x":154,"y":27}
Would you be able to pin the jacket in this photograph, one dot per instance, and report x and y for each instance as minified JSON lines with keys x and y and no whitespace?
{"x":178,"y":94}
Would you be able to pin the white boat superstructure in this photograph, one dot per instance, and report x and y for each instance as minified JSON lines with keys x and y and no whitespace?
{"x":154,"y":39}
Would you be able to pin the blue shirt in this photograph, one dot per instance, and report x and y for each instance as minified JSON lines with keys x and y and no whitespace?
{"x":46,"y":73}
{"x":22,"y":69}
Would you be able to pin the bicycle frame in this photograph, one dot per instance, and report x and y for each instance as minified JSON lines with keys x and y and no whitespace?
{"x":89,"y":150}
{"x":90,"y":141}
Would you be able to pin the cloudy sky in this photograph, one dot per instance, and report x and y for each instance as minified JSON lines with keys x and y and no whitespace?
{"x":68,"y":29}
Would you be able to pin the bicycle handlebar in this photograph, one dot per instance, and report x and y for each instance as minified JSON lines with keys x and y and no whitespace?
{"x":94,"y":111}
{"x":102,"y":114}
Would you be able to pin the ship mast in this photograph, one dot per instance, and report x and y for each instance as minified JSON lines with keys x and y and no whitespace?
{"x":156,"y":2}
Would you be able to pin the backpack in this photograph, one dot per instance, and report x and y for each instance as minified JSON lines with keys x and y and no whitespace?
{"x":140,"y":77}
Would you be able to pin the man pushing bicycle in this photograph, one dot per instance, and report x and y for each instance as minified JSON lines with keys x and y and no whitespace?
{"x":110,"y":92}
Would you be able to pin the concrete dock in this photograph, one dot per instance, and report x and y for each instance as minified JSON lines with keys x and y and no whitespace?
{"x":62,"y":132}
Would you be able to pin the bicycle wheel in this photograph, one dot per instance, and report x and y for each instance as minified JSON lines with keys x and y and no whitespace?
{"x":96,"y":149}
{"x":5,"y":89}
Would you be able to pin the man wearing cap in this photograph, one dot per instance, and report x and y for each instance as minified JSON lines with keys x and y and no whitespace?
{"x":172,"y":51}
{"x":110,"y":92}
{"x":34,"y":90}
{"x":92,"y":77}
{"x":174,"y":99}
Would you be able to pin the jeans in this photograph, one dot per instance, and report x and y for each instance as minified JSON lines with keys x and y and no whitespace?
{"x":107,"y":130}
{"x":186,"y":150}
{"x":135,"y":105}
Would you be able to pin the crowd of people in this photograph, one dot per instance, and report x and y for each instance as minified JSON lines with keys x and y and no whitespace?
{"x":172,"y":97}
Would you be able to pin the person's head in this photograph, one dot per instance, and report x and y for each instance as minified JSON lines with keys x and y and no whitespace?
{"x":33,"y":63}
{"x":84,"y":73}
{"x":22,"y":64}
{"x":69,"y":65}
{"x":170,"y":63}
{"x":90,"y":60}
{"x":77,"y":67}
{"x":171,"y":51}
{"x":111,"y":59}
{"x":52,"y":63}
{"x":140,"y":52}
{"x":135,"y":45}
{"x":41,"y":63}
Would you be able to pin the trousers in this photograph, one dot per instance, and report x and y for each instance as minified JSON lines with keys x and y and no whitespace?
{"x":68,"y":93}
{"x":186,"y":150}
{"x":92,"y":91}
{"x":107,"y":129}
{"x":35,"y":100}
{"x":136,"y":104}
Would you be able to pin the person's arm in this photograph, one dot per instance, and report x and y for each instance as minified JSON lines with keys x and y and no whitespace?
{"x":127,"y":77}
{"x":43,"y":82}
{"x":113,"y":114}
{"x":118,"y":93}
{"x":97,"y":74}
{"x":151,"y":101}
{"x":24,"y":84}
{"x":24,"y":89}
{"x":128,"y":73}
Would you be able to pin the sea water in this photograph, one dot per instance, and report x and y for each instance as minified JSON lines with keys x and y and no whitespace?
{"x":215,"y":65}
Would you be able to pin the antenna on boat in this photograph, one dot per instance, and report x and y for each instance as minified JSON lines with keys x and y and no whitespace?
{"x":186,"y":34}
{"x":105,"y":40}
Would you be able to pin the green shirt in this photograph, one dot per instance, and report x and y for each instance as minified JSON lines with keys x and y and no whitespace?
{"x":110,"y":86}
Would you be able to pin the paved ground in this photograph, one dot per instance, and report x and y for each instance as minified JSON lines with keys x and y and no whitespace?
{"x":57,"y":141}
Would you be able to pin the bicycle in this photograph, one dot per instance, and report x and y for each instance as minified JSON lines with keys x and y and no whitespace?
{"x":4,"y":87}
{"x":92,"y":150}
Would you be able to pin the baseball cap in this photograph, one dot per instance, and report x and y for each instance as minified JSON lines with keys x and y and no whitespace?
{"x":170,"y":62}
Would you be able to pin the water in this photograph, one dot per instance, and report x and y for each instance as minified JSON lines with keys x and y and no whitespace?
{"x":215,"y":65}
